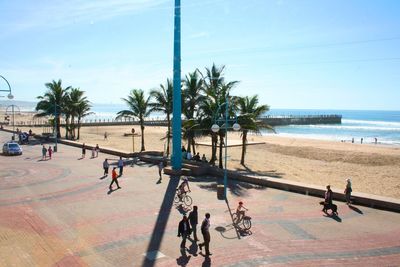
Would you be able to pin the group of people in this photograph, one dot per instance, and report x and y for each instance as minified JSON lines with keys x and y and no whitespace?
{"x":188,"y":155}
{"x":45,"y":151}
{"x":114,"y":175}
{"x":329,"y":195}
{"x":95,"y":151}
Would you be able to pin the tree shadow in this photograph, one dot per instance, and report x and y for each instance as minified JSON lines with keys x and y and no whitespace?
{"x":237,"y":188}
{"x":356,"y":209}
{"x":248,"y":170}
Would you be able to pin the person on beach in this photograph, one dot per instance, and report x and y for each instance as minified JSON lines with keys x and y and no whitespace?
{"x":44,"y":152}
{"x":106,"y":166}
{"x":328,"y":197}
{"x":184,"y":231}
{"x":50,"y":150}
{"x":114,"y":179}
{"x":105,"y":136}
{"x":205,"y":231}
{"x":376,"y":140}
{"x":97,"y":150}
{"x":120,"y":166}
{"x":197,"y":157}
{"x":83,"y":150}
{"x":347,"y":191}
{"x":93,"y":152}
{"x":362,"y":139}
{"x":193,"y":219}
{"x":203,"y":158}
{"x":160,"y":169}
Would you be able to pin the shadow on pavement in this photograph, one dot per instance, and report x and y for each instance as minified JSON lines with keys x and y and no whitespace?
{"x":356,"y":209}
{"x":333,"y":217}
{"x":272,"y":173}
{"x":184,"y":259}
{"x":162,"y":219}
{"x":237,"y":188}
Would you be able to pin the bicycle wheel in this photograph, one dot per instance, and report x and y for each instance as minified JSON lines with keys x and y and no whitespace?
{"x":246,"y":223}
{"x":187,"y":200}
{"x":176,"y":198}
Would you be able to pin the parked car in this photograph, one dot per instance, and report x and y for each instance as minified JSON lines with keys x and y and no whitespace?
{"x":12,"y":148}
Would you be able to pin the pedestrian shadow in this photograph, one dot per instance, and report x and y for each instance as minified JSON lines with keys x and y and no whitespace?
{"x":103,"y":177}
{"x":81,"y":158}
{"x":159,"y":181}
{"x":207,"y":261}
{"x":333,"y":217}
{"x":356,"y":209}
{"x":184,"y":259}
{"x":111,"y":191}
{"x":193,"y":247}
{"x":161,"y":222}
{"x":46,"y":159}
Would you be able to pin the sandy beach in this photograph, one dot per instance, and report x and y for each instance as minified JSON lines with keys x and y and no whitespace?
{"x":373,"y":169}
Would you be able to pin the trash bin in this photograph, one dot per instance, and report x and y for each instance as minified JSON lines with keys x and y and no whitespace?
{"x":220,"y":192}
{"x":55,"y":148}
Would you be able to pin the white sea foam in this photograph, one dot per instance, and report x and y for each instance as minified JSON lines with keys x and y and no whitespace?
{"x":381,"y":123}
{"x":354,"y":127}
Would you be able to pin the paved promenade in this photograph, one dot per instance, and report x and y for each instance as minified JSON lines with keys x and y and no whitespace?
{"x":59,"y":212}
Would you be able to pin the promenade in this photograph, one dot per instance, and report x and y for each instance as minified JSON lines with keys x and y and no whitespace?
{"x":59,"y":212}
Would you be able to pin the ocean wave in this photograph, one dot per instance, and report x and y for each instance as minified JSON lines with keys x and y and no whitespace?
{"x":350,"y":127}
{"x":381,"y":123}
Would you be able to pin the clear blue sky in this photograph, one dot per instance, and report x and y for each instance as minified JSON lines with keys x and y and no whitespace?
{"x":294,"y":54}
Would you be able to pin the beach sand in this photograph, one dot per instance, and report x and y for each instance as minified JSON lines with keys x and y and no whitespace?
{"x":373,"y":169}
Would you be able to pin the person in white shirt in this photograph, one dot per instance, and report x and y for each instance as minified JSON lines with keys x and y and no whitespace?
{"x":205,"y":231}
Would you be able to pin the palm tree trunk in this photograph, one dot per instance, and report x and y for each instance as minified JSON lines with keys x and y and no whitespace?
{"x":213,"y":148}
{"x":142,"y":131}
{"x":79,"y":128}
{"x":168,"y":133}
{"x":221,"y":141}
{"x":58,"y":127}
{"x":66,"y":127}
{"x":193,"y":146}
{"x":189,"y":143}
{"x":244,"y":147}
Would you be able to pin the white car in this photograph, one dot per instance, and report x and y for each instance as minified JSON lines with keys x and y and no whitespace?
{"x":12,"y":148}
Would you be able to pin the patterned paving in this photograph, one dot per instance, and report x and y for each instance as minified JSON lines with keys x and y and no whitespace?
{"x":59,"y":213}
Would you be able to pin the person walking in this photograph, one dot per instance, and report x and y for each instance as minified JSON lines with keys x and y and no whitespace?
{"x":97,"y":150}
{"x":50,"y":150}
{"x":347,"y":191}
{"x":44,"y":152}
{"x":193,"y":219}
{"x":160,"y":169}
{"x":106,"y":166}
{"x":120,"y":166}
{"x":205,"y":231}
{"x":83,"y":150}
{"x":114,"y":179}
{"x":328,"y":197}
{"x":184,"y":231}
{"x":93,"y":152}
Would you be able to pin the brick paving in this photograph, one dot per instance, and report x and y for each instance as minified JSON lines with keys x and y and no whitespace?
{"x":59,"y":213}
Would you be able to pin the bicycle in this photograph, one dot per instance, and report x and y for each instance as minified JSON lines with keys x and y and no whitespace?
{"x":185,"y":198}
{"x":245,"y":220}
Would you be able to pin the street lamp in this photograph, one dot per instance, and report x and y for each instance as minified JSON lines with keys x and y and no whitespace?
{"x":215,"y":128}
{"x":133,"y":140}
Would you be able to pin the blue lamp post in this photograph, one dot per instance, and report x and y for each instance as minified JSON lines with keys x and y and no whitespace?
{"x":176,"y":96}
{"x":215,"y":128}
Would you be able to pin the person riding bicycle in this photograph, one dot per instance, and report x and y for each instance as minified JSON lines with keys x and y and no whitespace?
{"x":182,"y":187}
{"x":240,"y":212}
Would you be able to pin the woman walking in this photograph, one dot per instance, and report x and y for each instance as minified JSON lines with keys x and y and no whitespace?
{"x":348,"y":191}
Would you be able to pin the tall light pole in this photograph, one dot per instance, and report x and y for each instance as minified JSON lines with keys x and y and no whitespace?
{"x":176,"y":96}
{"x":13,"y":117}
{"x":215,"y":128}
{"x":55,"y":126}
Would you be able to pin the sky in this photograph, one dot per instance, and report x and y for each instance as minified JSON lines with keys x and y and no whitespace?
{"x":306,"y":54}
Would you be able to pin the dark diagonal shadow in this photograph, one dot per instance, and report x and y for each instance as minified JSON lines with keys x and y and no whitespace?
{"x":161,"y":222}
{"x":230,"y":213}
{"x":356,"y":209}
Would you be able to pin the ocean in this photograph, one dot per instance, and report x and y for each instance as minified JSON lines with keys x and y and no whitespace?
{"x":357,"y":124}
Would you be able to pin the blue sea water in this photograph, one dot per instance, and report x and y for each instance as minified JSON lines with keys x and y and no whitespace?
{"x":357,"y":124}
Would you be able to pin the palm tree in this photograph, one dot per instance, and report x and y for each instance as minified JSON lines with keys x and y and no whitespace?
{"x":249,"y":112}
{"x":192,"y":98}
{"x":52,"y":103}
{"x":139,"y":108}
{"x":82,"y":109}
{"x":217,"y":91}
{"x":74,"y":97}
{"x":163,"y":102}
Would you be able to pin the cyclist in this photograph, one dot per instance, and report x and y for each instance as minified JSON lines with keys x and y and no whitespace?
{"x":182,"y":186}
{"x":240,"y":212}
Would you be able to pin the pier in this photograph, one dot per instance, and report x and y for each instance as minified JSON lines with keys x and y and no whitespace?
{"x":270,"y":120}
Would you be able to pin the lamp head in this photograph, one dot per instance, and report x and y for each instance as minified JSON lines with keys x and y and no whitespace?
{"x":10,"y":96}
{"x":236,"y":127}
{"x":215,"y":128}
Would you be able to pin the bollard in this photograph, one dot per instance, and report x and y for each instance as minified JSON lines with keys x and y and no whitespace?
{"x":220,"y":192}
